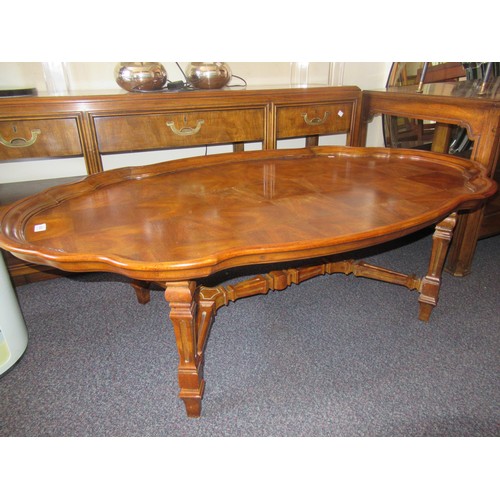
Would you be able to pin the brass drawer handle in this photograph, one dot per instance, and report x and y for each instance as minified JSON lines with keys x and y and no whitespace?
{"x":316,"y":121}
{"x":20,"y":142}
{"x":186,"y":130}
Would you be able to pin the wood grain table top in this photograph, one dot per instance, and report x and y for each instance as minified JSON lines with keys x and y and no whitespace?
{"x":189,"y":218}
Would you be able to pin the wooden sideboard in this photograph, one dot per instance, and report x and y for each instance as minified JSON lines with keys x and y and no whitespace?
{"x":458,"y":103}
{"x":113,"y":122}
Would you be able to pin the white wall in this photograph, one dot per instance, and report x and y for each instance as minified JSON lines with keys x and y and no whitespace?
{"x":84,"y":76}
{"x":100,"y":75}
{"x":367,"y":76}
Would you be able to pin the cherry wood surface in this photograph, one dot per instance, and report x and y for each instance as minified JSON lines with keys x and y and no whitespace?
{"x":467,"y":104}
{"x":176,"y":222}
{"x":190,"y":218}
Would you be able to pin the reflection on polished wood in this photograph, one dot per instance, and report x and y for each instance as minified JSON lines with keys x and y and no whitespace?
{"x":176,"y":222}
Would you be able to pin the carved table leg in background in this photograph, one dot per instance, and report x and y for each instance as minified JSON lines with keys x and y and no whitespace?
{"x":464,"y":243}
{"x":142,"y":291}
{"x":431,"y":283}
{"x":183,"y":310}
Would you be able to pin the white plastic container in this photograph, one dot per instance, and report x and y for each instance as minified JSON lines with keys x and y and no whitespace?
{"x":13,"y":332}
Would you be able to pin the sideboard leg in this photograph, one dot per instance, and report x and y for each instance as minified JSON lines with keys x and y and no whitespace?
{"x":183,"y":305}
{"x":431,"y":283}
{"x":464,"y":243}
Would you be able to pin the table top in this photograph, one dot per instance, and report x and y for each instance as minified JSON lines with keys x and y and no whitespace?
{"x":189,"y":218}
{"x":461,"y":91}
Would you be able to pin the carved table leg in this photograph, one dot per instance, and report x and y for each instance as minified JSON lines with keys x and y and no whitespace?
{"x":429,"y":290}
{"x":183,"y":310}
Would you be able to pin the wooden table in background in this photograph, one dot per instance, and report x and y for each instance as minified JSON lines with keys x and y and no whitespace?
{"x":454,"y":103}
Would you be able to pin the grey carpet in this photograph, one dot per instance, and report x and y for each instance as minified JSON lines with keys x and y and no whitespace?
{"x":333,"y":356}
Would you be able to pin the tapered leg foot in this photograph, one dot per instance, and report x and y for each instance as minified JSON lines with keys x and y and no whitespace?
{"x":424,"y":312}
{"x":192,"y":402}
{"x":193,"y":407}
{"x":192,"y":386}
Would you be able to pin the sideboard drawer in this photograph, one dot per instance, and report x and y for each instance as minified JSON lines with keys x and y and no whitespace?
{"x":297,"y":121}
{"x":39,"y":138}
{"x":142,"y":132}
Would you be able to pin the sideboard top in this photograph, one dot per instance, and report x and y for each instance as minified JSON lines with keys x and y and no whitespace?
{"x":106,"y":94}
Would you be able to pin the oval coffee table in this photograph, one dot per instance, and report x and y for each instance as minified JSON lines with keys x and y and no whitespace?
{"x":176,"y":222}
